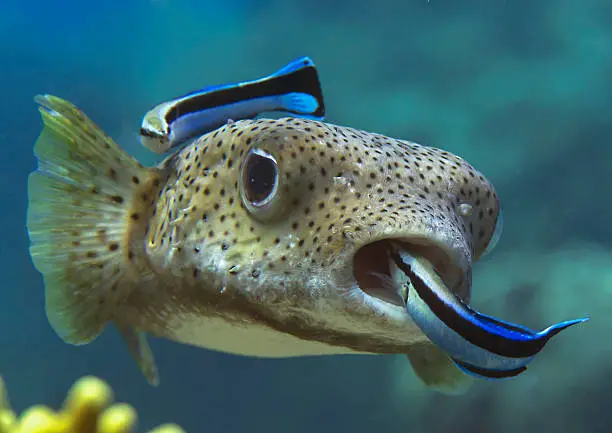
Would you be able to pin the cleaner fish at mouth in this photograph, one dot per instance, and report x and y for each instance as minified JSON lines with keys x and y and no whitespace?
{"x":260,"y":238}
{"x":480,"y":345}
{"x":293,"y":89}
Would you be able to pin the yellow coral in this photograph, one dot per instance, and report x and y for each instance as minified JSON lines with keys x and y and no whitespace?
{"x":88,"y":409}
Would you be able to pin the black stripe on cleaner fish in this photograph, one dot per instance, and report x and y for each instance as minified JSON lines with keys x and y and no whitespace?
{"x":293,"y":89}
{"x":480,"y":345}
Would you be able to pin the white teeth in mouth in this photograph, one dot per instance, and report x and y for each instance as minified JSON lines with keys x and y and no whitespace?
{"x":403,"y":291}
{"x":401,"y":281}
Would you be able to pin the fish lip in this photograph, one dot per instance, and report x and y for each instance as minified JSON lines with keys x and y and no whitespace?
{"x":373,"y":258}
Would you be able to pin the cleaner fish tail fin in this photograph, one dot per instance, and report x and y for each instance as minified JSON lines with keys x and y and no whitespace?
{"x":88,"y":207}
{"x":546,"y":334}
{"x":301,"y":88}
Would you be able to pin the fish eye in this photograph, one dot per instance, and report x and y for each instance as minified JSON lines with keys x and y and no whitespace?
{"x":497,"y":232}
{"x":259,"y":182}
{"x":260,"y":177}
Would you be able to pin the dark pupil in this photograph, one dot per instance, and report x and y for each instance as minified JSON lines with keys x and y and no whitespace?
{"x":260,"y":176}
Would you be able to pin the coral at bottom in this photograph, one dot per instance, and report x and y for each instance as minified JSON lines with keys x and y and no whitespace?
{"x":88,"y":408}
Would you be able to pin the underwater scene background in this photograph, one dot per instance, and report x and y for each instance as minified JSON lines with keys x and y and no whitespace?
{"x":520,"y":89}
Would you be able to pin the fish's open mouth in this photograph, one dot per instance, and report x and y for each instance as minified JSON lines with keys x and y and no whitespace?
{"x":372,"y":267}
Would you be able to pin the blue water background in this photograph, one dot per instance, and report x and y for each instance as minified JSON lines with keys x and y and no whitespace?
{"x":521,"y":89}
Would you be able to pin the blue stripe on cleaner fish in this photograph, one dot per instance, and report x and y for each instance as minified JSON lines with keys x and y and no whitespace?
{"x":294,"y":89}
{"x":480,"y":345}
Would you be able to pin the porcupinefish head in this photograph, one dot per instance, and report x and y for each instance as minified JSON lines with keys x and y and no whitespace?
{"x":287,"y":222}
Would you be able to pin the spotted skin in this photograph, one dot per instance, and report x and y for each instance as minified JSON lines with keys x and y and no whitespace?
{"x":340,"y":189}
{"x":194,"y":262}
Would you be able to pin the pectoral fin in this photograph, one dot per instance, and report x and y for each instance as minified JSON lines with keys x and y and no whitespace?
{"x":437,"y":371}
{"x":140,"y":350}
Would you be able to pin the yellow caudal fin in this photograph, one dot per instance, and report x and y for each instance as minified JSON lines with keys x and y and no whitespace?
{"x":88,"y":207}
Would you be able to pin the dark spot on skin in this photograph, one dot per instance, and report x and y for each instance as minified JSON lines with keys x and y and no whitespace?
{"x":114,"y":246}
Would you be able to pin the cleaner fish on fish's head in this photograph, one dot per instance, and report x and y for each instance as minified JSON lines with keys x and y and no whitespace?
{"x":294,"y":89}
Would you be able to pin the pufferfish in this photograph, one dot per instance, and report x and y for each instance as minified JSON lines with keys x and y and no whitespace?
{"x":265,"y":238}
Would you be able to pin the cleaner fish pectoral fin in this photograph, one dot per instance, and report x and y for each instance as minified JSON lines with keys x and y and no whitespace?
{"x":141,"y":351}
{"x":438,"y":371}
